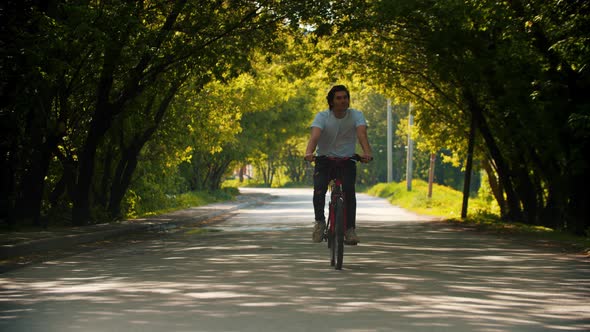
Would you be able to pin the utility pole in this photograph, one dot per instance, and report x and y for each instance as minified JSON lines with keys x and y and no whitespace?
{"x":389,"y":143}
{"x":410,"y":147}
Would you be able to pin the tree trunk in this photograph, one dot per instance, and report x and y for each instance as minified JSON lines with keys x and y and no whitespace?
{"x":98,"y":127}
{"x":122,"y":179}
{"x":66,"y":184}
{"x":129,"y":155}
{"x":102,"y":195}
{"x":7,"y":185}
{"x":514,"y":212}
{"x":526,"y":190}
{"x":431,"y":174}
{"x":241,"y":174}
{"x":217,"y":174}
{"x":495,"y":186}
{"x":105,"y":111}
{"x":41,"y":146}
{"x":468,"y":168}
{"x":101,"y":121}
{"x":578,"y":217}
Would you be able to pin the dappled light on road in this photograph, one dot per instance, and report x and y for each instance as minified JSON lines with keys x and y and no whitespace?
{"x":404,"y":276}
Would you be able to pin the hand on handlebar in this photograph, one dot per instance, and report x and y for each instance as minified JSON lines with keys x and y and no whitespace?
{"x":366,"y":158}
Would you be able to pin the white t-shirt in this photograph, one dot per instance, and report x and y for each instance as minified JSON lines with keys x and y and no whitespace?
{"x":338,"y":138}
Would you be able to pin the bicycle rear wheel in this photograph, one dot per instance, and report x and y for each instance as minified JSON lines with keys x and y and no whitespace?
{"x":331,"y":247}
{"x":338,"y":238}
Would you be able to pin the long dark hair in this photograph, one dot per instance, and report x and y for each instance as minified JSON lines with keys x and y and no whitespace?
{"x":333,"y":91}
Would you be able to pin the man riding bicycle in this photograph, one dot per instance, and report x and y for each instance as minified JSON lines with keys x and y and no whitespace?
{"x":334,"y":133}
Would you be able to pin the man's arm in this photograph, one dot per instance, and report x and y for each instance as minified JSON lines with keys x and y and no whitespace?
{"x":313,"y":143}
{"x":361,"y":133}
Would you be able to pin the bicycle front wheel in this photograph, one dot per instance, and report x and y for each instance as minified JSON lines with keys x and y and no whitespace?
{"x":331,"y":234}
{"x":338,"y":243}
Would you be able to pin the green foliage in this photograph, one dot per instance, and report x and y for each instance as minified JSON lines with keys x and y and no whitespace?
{"x":385,"y":190}
{"x":498,"y":62}
{"x":258,"y":182}
{"x":137,"y":207}
{"x":151,"y":190}
{"x":89,"y":90}
{"x":250,"y":119}
{"x":445,"y":201}
{"x":144,"y":100}
{"x":483,"y":212}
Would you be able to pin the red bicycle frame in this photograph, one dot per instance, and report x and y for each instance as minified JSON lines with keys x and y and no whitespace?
{"x":335,"y":192}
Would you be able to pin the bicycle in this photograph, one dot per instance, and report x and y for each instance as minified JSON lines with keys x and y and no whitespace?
{"x":336,"y":227}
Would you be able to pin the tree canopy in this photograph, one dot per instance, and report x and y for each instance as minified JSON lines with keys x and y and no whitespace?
{"x":102,"y":100}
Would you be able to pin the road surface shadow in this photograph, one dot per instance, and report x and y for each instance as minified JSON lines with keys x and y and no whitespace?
{"x":412,"y":276}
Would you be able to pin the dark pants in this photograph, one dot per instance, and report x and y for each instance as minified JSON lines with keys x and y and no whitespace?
{"x":322,"y":175}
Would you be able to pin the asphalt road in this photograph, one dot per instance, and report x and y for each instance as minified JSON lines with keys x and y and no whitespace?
{"x":257,"y":270}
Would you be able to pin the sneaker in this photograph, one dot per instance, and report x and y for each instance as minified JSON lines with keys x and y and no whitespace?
{"x":351,"y":238}
{"x":318,"y":231}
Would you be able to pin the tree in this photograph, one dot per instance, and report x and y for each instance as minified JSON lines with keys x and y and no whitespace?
{"x":80,"y":71}
{"x":503,"y":64}
{"x":172,"y":40}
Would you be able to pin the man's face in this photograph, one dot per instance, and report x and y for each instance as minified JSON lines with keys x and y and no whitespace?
{"x":341,"y":101}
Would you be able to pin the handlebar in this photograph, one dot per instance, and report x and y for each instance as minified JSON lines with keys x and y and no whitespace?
{"x":356,"y":158}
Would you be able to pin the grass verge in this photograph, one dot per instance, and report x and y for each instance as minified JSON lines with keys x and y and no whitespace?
{"x":172,"y":203}
{"x":482,"y":215}
{"x":186,"y":200}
